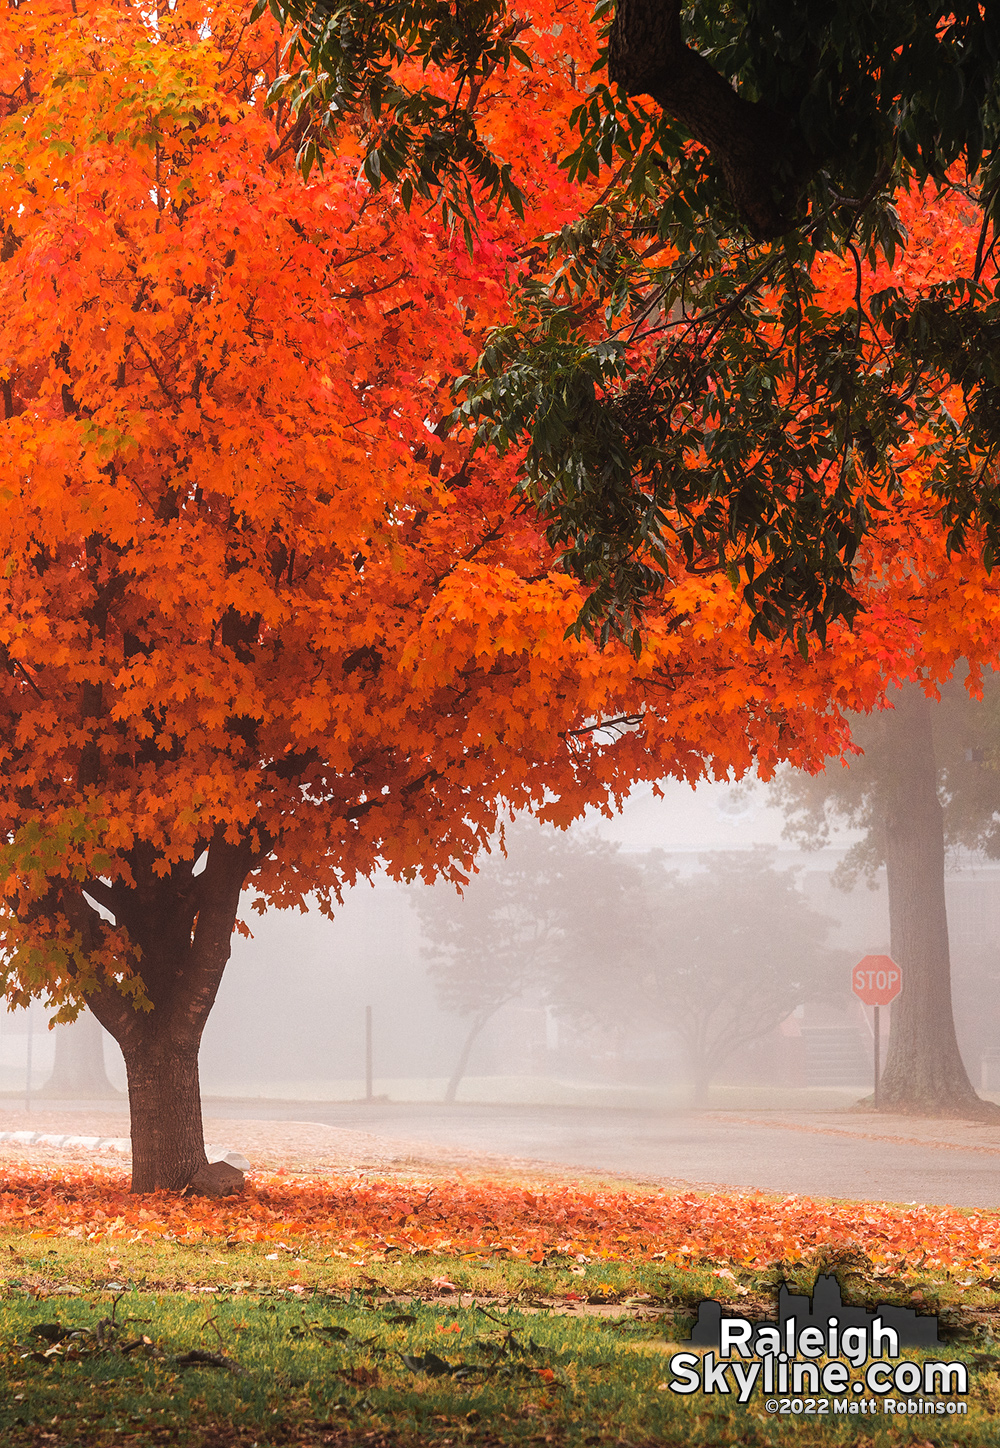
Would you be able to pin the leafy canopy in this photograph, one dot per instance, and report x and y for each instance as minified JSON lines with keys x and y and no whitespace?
{"x":262,"y":623}
{"x":682,"y":393}
{"x":717,"y":957}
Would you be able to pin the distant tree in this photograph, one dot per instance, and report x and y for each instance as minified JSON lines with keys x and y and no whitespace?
{"x":78,"y":1070}
{"x":512,"y":927}
{"x":720,"y":957}
{"x":929,"y":776}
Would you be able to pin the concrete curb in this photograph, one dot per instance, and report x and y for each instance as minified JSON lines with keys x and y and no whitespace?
{"x":118,"y":1144}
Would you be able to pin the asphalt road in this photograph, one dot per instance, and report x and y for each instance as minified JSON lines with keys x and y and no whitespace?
{"x":809,"y":1158}
{"x":805,"y":1153}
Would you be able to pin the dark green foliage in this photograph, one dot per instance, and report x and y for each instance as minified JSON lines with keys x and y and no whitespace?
{"x":725,"y":418}
{"x":341,"y":64}
{"x":705,"y":413}
{"x":752,"y":436}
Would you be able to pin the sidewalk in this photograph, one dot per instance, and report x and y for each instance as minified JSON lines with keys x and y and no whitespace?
{"x":947,"y":1134}
{"x":820,"y":1153}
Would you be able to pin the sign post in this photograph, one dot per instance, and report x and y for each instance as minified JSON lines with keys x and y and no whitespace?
{"x":877,"y":980}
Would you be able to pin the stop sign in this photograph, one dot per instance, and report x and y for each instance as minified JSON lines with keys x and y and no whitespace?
{"x":877,"y":980}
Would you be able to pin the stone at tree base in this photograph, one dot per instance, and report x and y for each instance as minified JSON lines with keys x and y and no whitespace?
{"x":216,"y":1179}
{"x":227,"y":1153}
{"x":236,"y":1159}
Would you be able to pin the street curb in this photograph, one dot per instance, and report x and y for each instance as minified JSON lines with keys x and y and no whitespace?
{"x":121,"y":1145}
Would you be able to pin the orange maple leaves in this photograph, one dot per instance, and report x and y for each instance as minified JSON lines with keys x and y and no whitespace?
{"x":252,"y":594}
{"x":740,"y":1228}
{"x":237,"y":545}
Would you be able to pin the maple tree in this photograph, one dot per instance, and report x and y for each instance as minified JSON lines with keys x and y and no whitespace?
{"x":265,"y":623}
{"x":263,"y":626}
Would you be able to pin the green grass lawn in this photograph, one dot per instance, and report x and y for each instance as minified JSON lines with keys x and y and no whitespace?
{"x":251,"y":1368}
{"x":211,"y":1344}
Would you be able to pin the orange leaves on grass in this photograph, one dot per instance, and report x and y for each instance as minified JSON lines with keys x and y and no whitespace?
{"x":742,"y":1229}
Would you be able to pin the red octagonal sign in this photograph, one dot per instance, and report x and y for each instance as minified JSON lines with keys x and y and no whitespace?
{"x":877,"y":980}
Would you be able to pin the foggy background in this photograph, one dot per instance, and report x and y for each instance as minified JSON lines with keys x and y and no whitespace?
{"x":289,"y":1023}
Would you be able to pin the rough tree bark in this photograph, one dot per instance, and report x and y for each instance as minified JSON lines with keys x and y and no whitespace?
{"x":755,"y":147}
{"x":924,"y":1072}
{"x":183,"y":925}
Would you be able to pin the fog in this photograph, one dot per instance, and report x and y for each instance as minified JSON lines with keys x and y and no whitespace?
{"x":290,"y":1018}
{"x":581,"y":999}
{"x":289,"y":1023}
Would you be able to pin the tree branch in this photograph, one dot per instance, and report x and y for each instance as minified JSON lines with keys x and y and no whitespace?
{"x":753,"y":145}
{"x":104,"y":894}
{"x":624,"y":723}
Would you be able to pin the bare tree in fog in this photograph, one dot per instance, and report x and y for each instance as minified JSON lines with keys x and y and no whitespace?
{"x":720,"y":957}
{"x":509,"y":931}
{"x":929,"y":776}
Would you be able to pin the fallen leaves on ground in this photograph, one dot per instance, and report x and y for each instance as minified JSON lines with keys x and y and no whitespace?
{"x":741,"y":1228}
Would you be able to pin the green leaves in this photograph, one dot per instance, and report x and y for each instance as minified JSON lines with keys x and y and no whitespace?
{"x":358,"y":65}
{"x":713,"y":428}
{"x":950,"y":335}
{"x":759,"y":429}
{"x":728,"y":423}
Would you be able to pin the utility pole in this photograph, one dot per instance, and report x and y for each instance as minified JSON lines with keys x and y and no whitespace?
{"x":27,"y":1067}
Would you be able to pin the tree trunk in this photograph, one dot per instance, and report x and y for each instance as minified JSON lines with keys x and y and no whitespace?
{"x":924,"y":1072}
{"x":183,"y":926}
{"x":164,"y":1093}
{"x":758,"y":151}
{"x":78,"y":1070}
{"x":462,"y":1063}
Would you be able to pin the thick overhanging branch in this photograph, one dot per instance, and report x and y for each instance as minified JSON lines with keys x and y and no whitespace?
{"x":752,"y":144}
